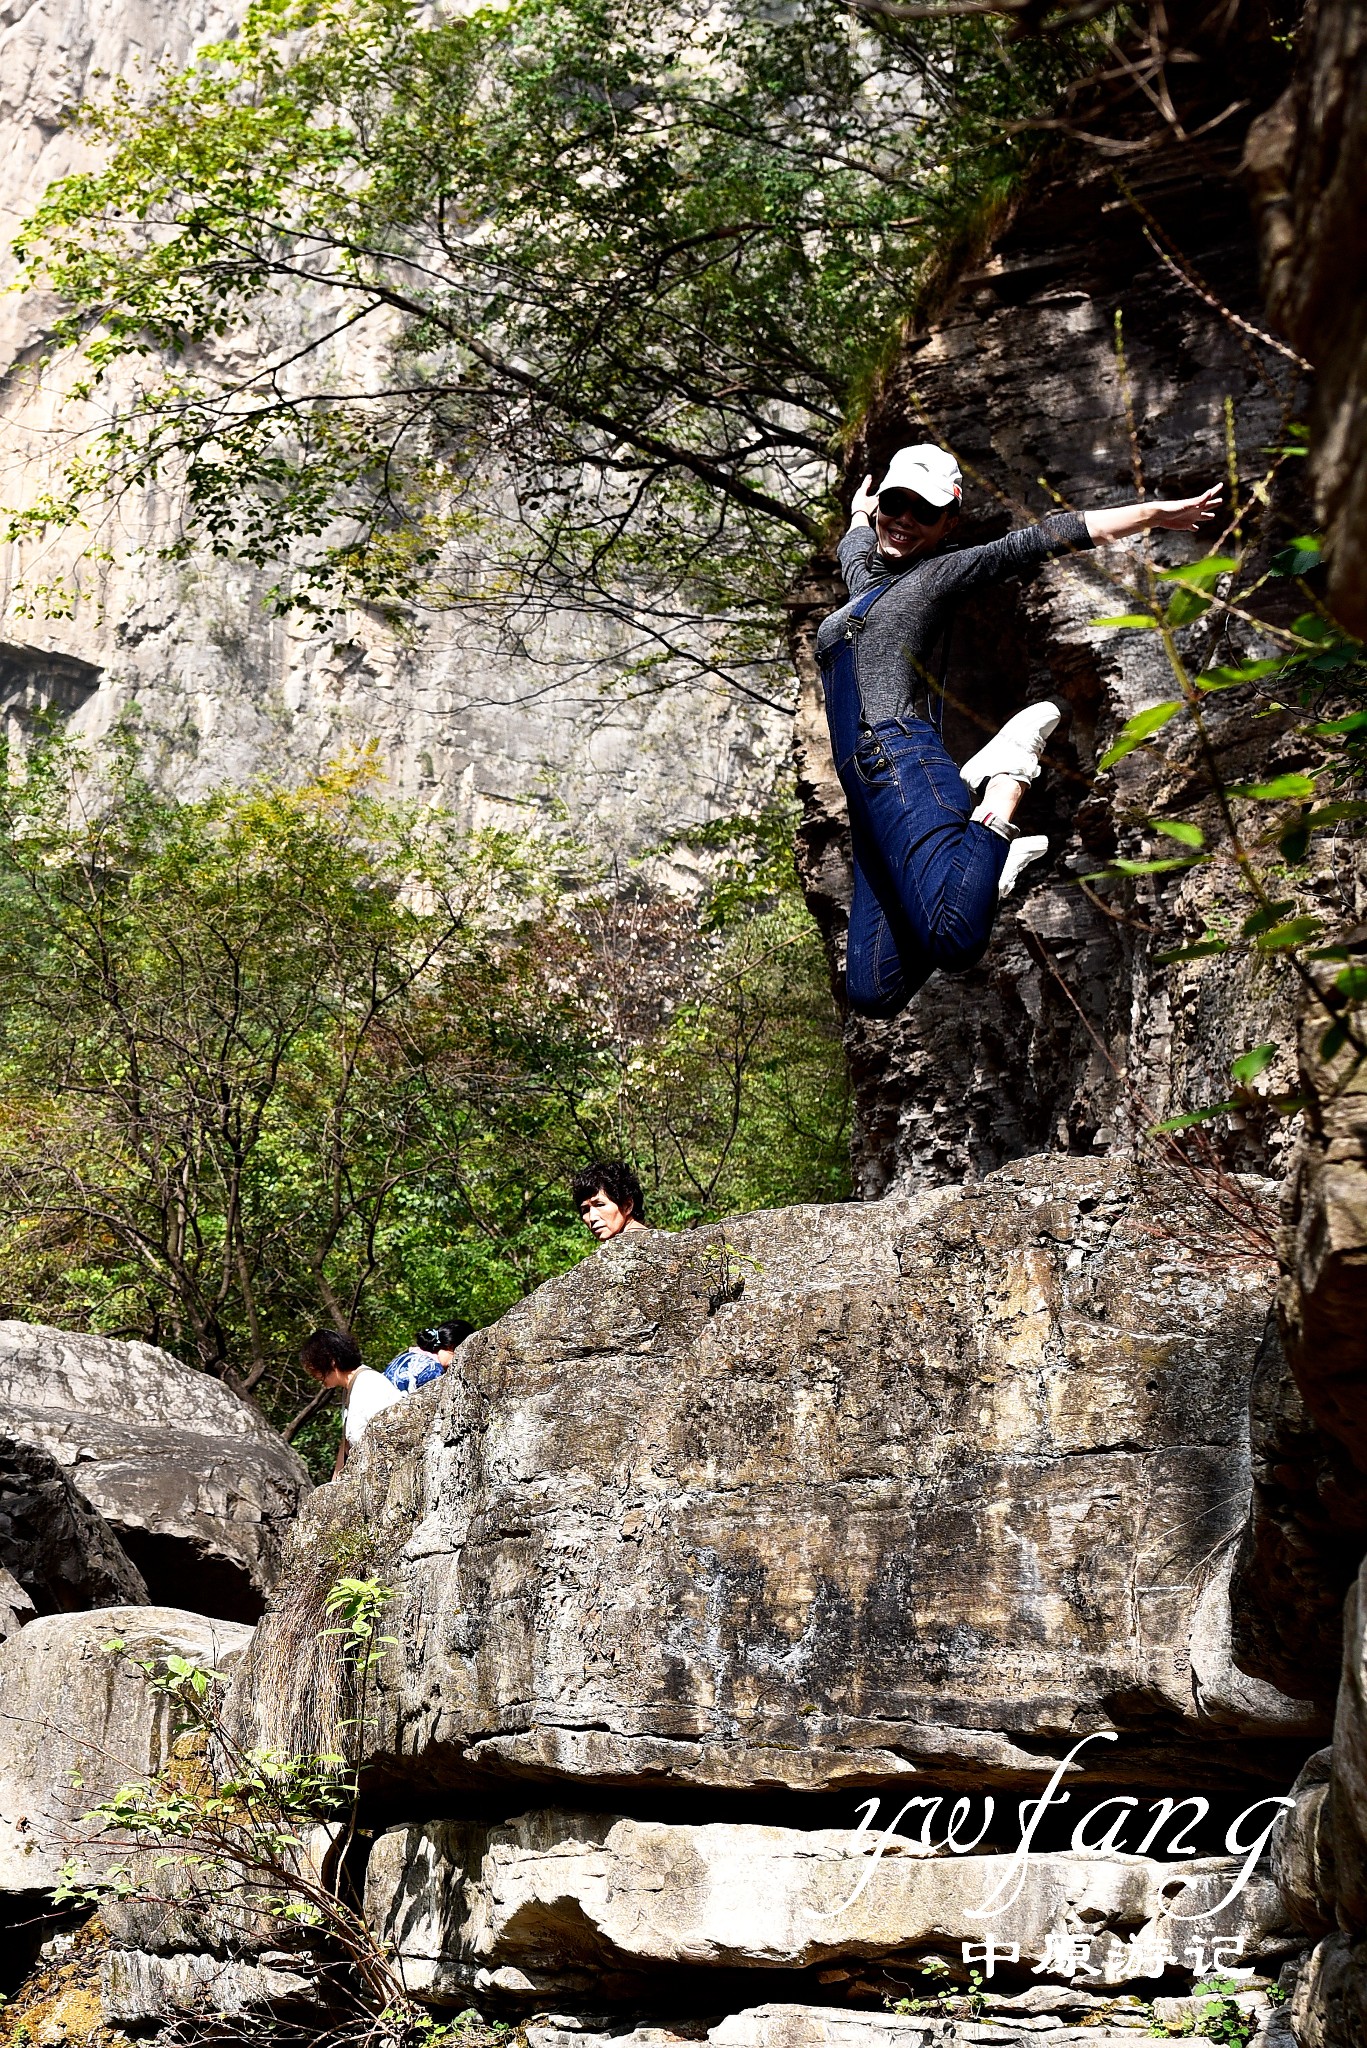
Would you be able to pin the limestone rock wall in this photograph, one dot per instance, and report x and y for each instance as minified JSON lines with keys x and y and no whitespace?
{"x":1067,"y":1036}
{"x":495,"y":726}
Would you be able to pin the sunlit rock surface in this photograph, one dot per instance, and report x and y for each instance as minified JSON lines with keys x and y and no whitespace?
{"x":1303,"y":1849}
{"x":562,"y":1898}
{"x":198,"y":1488}
{"x":1003,"y":2023}
{"x":136,"y":1988}
{"x":816,"y":1498}
{"x":77,"y":1720}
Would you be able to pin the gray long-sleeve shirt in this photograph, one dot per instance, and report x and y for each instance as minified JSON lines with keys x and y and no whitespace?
{"x":898,"y":642}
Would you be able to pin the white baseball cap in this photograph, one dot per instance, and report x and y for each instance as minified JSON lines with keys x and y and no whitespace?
{"x":929,"y":471}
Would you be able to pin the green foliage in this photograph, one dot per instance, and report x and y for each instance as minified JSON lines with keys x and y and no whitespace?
{"x":249,"y":1842}
{"x":1244,"y":1069}
{"x":944,"y":1996}
{"x":638,"y":269}
{"x":1228,"y":597}
{"x":1217,"y":2019}
{"x":1144,"y":723}
{"x":1175,"y":828}
{"x":355,"y":1607}
{"x":287,"y":1056}
{"x":468,"y":2029}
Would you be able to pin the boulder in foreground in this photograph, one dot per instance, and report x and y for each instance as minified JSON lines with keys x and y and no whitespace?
{"x":815,"y":1498}
{"x":564,"y":1903}
{"x":53,"y":1545}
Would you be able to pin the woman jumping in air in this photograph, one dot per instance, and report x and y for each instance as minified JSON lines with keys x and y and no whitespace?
{"x":929,"y":866}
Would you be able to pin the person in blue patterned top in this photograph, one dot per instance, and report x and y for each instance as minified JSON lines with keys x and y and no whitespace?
{"x":428,"y":1356}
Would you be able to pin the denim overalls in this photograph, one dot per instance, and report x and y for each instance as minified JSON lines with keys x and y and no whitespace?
{"x":925,"y":878}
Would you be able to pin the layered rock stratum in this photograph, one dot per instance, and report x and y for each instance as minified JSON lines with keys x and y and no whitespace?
{"x":819,"y":1498}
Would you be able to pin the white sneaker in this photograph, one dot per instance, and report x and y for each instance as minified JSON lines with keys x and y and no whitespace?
{"x":1016,"y":749}
{"x":1019,"y":857}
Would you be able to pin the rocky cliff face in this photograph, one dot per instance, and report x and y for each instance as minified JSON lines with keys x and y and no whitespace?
{"x":921,"y":1512}
{"x":1068,"y":1036}
{"x":1305,"y":1537}
{"x":717,"y":1538}
{"x":719,"y":1535}
{"x":218,"y":690}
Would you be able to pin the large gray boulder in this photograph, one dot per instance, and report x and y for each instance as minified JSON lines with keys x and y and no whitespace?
{"x":199,"y":1489}
{"x":813,"y":1500}
{"x":78,"y":1720}
{"x":778,"y":2025}
{"x":136,"y":1988}
{"x":1303,"y":1850}
{"x":54,"y":1548}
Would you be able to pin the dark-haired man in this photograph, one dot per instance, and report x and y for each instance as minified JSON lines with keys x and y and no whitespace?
{"x":608,"y":1196}
{"x":333,"y":1358}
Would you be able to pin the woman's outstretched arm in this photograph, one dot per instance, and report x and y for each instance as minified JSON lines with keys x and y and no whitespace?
{"x":1179,"y":515}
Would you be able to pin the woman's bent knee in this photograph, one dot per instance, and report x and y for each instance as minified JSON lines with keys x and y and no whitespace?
{"x":869,"y":997}
{"x":957,"y":955}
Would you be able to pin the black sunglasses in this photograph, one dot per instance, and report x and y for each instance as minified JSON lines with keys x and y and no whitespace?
{"x":907,"y":505}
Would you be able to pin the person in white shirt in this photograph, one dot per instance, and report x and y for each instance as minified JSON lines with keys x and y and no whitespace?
{"x":333,"y":1359}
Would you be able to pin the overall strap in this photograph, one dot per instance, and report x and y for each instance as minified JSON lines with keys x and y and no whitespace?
{"x":840,"y":679}
{"x":935,"y":703}
{"x":862,"y":606}
{"x":854,"y":626}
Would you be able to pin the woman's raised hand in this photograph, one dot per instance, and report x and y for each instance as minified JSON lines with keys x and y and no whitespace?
{"x":1180,"y":515}
{"x":1184,"y":515}
{"x":865,"y":499}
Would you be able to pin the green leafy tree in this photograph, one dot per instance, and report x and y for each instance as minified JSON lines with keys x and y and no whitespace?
{"x":220,"y":1044}
{"x":1249,"y":618}
{"x":283,"y":1056}
{"x":600,"y":282}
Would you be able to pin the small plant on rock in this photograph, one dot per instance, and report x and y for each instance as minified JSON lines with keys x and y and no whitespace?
{"x":1220,"y":2018}
{"x":954,"y":2000}
{"x":254,"y":1842}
